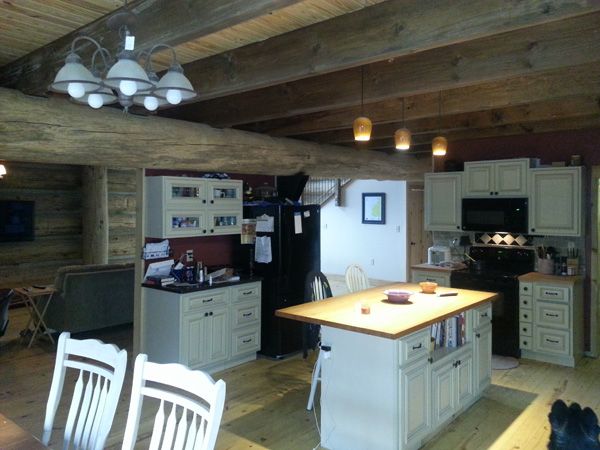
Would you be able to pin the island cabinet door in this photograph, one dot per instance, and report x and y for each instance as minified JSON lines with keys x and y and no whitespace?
{"x":464,"y":379}
{"x":482,"y":350}
{"x":443,"y":391}
{"x":415,"y":411}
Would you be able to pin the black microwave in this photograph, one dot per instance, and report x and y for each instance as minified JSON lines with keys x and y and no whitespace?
{"x":508,"y":215}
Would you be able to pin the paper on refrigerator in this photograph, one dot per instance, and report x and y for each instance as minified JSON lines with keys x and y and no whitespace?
{"x":262,"y":249}
{"x":265,"y":224}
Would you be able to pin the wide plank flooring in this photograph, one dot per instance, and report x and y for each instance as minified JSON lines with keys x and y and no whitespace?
{"x":265,"y":405}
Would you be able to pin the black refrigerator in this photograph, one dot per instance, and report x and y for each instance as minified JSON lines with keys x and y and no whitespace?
{"x":296,"y":250}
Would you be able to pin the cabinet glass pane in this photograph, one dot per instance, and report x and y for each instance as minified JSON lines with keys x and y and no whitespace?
{"x":178,"y":222}
{"x":225,"y":221}
{"x":185,"y":192}
{"x":230,"y":193}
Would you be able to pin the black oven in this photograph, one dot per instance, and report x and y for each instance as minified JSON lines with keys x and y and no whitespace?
{"x":498,"y":215}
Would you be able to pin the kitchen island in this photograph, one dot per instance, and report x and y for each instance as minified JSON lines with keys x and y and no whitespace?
{"x":382,"y":387}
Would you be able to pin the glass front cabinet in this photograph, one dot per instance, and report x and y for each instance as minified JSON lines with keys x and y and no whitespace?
{"x":187,"y":207}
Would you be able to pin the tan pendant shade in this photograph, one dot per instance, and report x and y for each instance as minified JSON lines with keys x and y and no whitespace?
{"x":362,"y":127}
{"x":2,"y":170}
{"x":402,"y":139}
{"x":439,"y":146}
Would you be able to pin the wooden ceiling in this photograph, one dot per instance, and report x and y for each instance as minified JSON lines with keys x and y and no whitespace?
{"x":293,"y":68}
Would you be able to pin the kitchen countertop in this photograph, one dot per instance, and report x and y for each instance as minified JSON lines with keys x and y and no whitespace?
{"x":386,"y":320}
{"x":432,"y":267}
{"x":185,"y":289}
{"x":536,"y":277}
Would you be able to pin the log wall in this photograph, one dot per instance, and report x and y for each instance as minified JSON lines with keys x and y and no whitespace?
{"x":56,"y":190}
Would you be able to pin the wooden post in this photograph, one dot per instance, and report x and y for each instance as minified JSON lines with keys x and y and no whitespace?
{"x":95,"y":215}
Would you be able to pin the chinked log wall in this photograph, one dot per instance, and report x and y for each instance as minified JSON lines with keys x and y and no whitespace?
{"x":56,"y":190}
{"x":56,"y":131}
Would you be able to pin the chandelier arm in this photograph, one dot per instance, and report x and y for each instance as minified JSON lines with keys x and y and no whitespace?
{"x":102,"y":51}
{"x":159,"y":46}
{"x":85,"y":38}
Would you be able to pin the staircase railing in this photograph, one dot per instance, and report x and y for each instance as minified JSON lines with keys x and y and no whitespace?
{"x":319,"y":191}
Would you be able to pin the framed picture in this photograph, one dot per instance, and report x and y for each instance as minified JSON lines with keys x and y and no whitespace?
{"x":373,"y":208}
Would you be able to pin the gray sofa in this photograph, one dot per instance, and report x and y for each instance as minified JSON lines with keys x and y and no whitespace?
{"x":90,"y":297}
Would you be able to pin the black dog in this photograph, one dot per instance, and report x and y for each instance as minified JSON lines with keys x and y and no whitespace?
{"x":573,"y":428}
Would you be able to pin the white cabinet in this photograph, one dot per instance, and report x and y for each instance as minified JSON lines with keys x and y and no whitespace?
{"x":555,"y":201}
{"x":506,"y":178}
{"x":443,"y":197}
{"x":551,"y":318}
{"x":482,"y":358}
{"x":212,"y":329}
{"x":452,"y":385}
{"x":414,"y":402}
{"x":185,"y":207}
{"x":439,"y":277}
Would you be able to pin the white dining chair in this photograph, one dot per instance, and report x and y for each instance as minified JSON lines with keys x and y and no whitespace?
{"x":356,"y":278}
{"x":96,"y":392}
{"x":195,"y":401}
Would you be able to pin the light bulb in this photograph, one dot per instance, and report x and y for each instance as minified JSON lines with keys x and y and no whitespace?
{"x":174,"y":96}
{"x":128,"y":87}
{"x":95,"y":101}
{"x":76,"y":90}
{"x":151,"y":103}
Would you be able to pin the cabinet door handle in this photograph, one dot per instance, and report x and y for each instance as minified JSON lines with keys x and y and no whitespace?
{"x":417,"y":346}
{"x":457,"y":227}
{"x":212,"y":231}
{"x":533,"y":229}
{"x":430,"y":359}
{"x":525,"y":288}
{"x":478,"y":335}
{"x":459,"y":362}
{"x":495,"y":193}
{"x":204,"y":231}
{"x":551,"y":315}
{"x":207,"y":300}
{"x":484,"y":315}
{"x":552,"y":341}
{"x":203,"y":200}
{"x":524,"y":328}
{"x":491,"y":193}
{"x":524,"y":342}
{"x":247,"y":314}
{"x":212,"y":201}
{"x":210,"y":313}
{"x":245,"y":341}
{"x":205,"y":314}
{"x":525,"y":315}
{"x":525,"y":302}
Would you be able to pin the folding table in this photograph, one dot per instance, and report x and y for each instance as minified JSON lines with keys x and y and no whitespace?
{"x":32,"y":295}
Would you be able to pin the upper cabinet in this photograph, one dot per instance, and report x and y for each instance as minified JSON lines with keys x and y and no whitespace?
{"x":186,"y":207}
{"x":443,"y":196}
{"x":555,"y":201}
{"x":506,"y":178}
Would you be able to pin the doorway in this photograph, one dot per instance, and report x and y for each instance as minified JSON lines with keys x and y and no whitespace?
{"x":418,"y":239}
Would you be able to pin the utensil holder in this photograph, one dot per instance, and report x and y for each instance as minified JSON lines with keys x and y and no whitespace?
{"x":546,"y":266}
{"x":572,"y":266}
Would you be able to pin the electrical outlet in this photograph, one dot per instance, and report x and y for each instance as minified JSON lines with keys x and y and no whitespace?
{"x":398,"y":229}
{"x":372,"y":261}
{"x":189,"y":255}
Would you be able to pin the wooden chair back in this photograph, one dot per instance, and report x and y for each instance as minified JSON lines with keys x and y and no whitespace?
{"x":96,"y":393}
{"x":356,"y":278}
{"x":190,"y":409}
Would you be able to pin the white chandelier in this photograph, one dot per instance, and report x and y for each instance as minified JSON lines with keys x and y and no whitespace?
{"x":123,"y":80}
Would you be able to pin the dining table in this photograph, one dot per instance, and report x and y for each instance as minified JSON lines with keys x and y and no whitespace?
{"x":13,"y":437}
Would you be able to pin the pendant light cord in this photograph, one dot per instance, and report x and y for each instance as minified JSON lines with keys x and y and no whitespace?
{"x":440,"y":112}
{"x":403,"y":123}
{"x":362,"y":90}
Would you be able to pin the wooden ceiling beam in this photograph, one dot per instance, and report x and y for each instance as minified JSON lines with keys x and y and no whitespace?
{"x":566,"y":107}
{"x":524,"y":52}
{"x":387,"y":30}
{"x":54,"y":130}
{"x":572,"y":81}
{"x":158,"y":21}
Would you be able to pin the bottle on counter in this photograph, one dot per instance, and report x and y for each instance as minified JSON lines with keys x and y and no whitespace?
{"x":199,"y":272}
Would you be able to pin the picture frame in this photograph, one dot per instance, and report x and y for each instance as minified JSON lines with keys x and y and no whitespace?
{"x":373,"y":208}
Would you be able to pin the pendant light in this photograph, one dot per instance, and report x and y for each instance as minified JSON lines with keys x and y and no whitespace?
{"x":362,"y":125}
{"x":439,"y":145}
{"x":2,"y":171}
{"x":402,"y":135}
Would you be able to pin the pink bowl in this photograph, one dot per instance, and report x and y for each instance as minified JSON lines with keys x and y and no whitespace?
{"x":397,"y":295}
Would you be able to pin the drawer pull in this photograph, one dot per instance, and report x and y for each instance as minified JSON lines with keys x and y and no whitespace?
{"x":247,"y":314}
{"x":524,"y":328}
{"x":484,"y":315}
{"x":551,"y":341}
{"x":207,"y":300}
{"x":245,"y":341}
{"x":551,"y":315}
{"x":478,"y":335}
{"x":524,"y":342}
{"x":525,"y":302}
{"x":525,"y":288}
{"x":550,"y":293}
{"x":430,"y":359}
{"x":525,"y":315}
{"x":247,"y":292}
{"x":417,"y":346}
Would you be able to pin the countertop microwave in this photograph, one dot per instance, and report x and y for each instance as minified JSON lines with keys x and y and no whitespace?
{"x":496,"y":215}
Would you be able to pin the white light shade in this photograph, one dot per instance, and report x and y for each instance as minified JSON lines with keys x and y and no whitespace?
{"x":362,"y":127}
{"x":439,"y":146}
{"x":128,"y":70}
{"x":2,"y":170}
{"x":402,"y":139}
{"x":175,"y":80}
{"x":106,"y":96}
{"x":74,"y":76}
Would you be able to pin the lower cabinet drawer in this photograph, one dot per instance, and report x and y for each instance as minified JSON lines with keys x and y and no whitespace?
{"x":549,"y":314}
{"x":525,"y":315}
{"x":525,"y":342}
{"x":245,"y":341}
{"x":414,"y":346}
{"x":244,"y":314}
{"x":554,"y":293}
{"x":202,"y":299}
{"x":551,"y":341}
{"x":245,"y":291}
{"x":525,"y":329}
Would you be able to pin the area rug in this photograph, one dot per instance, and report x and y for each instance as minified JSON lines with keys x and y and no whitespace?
{"x":504,"y":362}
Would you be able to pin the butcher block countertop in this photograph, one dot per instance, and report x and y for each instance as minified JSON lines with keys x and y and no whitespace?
{"x":536,"y":277}
{"x":386,"y":320}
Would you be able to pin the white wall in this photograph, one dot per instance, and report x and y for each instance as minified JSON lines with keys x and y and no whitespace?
{"x":379,"y":249}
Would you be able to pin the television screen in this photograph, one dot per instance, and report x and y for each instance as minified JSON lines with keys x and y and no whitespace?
{"x":16,"y":220}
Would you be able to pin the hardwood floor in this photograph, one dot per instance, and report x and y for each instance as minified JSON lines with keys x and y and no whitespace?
{"x":266,"y":399}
